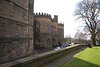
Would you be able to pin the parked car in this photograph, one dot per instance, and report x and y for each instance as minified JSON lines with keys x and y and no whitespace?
{"x":72,"y":43}
{"x":68,"y":44}
{"x":65,"y":45}
{"x":57,"y":48}
{"x":97,"y":44}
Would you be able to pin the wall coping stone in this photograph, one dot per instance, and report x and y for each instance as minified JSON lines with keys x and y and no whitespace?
{"x":33,"y":58}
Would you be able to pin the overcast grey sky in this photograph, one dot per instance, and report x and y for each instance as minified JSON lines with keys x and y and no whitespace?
{"x":64,"y":9}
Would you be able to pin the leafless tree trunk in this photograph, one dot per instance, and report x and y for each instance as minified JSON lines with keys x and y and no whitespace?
{"x":98,"y":38}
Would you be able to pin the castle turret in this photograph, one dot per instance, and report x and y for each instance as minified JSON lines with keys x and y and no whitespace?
{"x":43,"y":33}
{"x":60,"y":31}
{"x":54,"y":28}
{"x":55,"y":19}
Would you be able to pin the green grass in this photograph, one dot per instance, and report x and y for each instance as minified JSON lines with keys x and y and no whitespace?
{"x":90,"y":57}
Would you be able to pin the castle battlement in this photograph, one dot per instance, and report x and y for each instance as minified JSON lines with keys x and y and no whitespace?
{"x":60,"y":24}
{"x":55,"y":19}
{"x":42,"y":15}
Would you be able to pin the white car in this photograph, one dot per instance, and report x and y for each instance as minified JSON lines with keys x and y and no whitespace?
{"x":72,"y":43}
{"x":57,"y":48}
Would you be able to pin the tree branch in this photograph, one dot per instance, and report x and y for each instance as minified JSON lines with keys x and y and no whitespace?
{"x":97,"y":31}
{"x":88,"y":26}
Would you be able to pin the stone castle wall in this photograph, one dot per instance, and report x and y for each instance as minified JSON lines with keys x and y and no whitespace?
{"x":16,"y":29}
{"x":43,"y":37}
{"x":45,"y":26}
{"x":44,"y":58}
{"x":54,"y":29}
{"x":60,"y":32}
{"x":47,"y":35}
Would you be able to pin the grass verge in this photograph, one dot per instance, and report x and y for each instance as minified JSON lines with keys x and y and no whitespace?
{"x":90,"y":57}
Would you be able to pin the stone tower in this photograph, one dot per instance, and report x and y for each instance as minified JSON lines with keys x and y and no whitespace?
{"x":60,"y":32}
{"x":43,"y":30}
{"x":55,"y":19}
{"x":16,"y":29}
{"x":54,"y":28}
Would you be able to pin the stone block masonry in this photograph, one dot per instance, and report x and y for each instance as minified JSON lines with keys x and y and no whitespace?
{"x":48,"y":32}
{"x":16,"y":29}
{"x":43,"y":31}
{"x":40,"y":59}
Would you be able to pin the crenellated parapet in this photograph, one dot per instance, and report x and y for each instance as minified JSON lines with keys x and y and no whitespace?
{"x":42,"y":15}
{"x":55,"y":19}
{"x":60,"y":24}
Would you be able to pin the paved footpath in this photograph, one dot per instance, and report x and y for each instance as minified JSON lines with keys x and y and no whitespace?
{"x":58,"y":62}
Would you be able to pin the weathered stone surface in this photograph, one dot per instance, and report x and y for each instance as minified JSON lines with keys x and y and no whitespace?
{"x":13,"y":49}
{"x":54,"y":30}
{"x":48,"y":31}
{"x":60,"y":32}
{"x":16,"y":29}
{"x":39,"y":59}
{"x":16,"y":10}
{"x":43,"y":36}
{"x":10,"y":28}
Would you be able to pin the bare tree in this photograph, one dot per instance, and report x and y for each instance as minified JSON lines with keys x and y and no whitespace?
{"x":98,"y":38}
{"x":81,"y":37}
{"x":98,"y":35}
{"x":89,"y":11}
{"x":68,"y":38}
